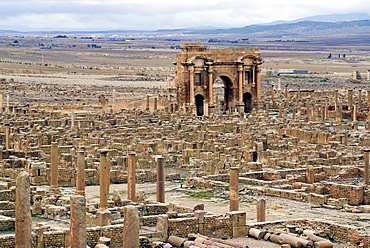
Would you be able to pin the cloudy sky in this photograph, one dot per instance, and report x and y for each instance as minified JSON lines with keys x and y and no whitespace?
{"x":79,"y":15}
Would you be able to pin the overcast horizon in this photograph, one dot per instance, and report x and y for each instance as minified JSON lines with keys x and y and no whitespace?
{"x":93,"y":15}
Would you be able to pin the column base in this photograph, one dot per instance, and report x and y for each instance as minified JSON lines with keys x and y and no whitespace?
{"x":240,"y":108}
{"x":211,"y":109}
{"x":103,"y":217}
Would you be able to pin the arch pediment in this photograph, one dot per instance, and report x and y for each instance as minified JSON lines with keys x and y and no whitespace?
{"x":199,"y":59}
{"x":250,"y":59}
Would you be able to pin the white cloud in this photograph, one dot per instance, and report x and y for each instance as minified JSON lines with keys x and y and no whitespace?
{"x":67,"y":15}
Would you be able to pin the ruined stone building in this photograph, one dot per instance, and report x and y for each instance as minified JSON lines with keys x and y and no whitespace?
{"x":197,"y":69}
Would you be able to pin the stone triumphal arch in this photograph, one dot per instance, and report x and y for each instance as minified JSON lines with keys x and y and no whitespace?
{"x":198,"y":68}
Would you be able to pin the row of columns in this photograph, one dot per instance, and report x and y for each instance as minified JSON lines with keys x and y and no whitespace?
{"x":104,"y":178}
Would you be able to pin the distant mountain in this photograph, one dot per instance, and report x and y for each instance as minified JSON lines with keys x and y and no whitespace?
{"x":298,"y":28}
{"x":327,"y":18}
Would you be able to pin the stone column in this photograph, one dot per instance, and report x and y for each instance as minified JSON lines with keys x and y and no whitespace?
{"x":1,"y":102}
{"x":354,"y":75}
{"x":310,"y":174}
{"x":323,"y":114}
{"x":299,"y":92}
{"x":360,"y":98}
{"x":131,"y":227}
{"x":326,"y":113}
{"x":7,"y":136}
{"x":114,"y":99}
{"x":234,"y":191}
{"x":210,"y":84}
{"x":54,"y":173}
{"x":78,"y":236}
{"x":103,"y":214}
{"x":23,"y":220}
{"x":350,"y":99}
{"x":80,"y":184}
{"x":131,"y":182}
{"x":191,"y":88}
{"x":8,"y":103}
{"x":267,"y":110}
{"x":258,"y":83}
{"x":240,"y":83}
{"x":147,"y":103}
{"x":366,"y":166}
{"x":368,"y":75}
{"x":336,"y":100}
{"x":354,"y":113}
{"x":261,"y":210}
{"x":286,"y":92}
{"x":155,"y":108}
{"x":72,"y":118}
{"x":272,"y":94}
{"x":160,"y":180}
{"x":308,"y":109}
{"x":206,"y":108}
{"x":280,"y":110}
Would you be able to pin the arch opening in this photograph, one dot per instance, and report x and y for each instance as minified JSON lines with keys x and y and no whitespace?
{"x":248,"y":104}
{"x":199,"y":104}
{"x":228,"y":103}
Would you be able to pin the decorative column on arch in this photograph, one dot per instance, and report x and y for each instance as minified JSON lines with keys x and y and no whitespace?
{"x":258,"y":81}
{"x":240,"y":83}
{"x":210,"y":83}
{"x":191,"y":84}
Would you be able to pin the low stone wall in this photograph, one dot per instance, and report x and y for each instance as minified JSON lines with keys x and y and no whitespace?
{"x":218,"y":226}
{"x":181,"y":227}
{"x":60,"y":238}
{"x":7,"y":223}
{"x":354,"y":194}
{"x":54,"y":239}
{"x":8,"y":241}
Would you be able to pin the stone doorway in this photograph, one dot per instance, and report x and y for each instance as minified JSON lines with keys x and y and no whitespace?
{"x":248,"y":103}
{"x":199,"y":104}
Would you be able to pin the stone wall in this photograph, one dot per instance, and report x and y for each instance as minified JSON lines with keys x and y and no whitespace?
{"x":354,"y":194}
{"x":218,"y":226}
{"x":181,"y":227}
{"x":8,"y":241}
{"x":60,"y":238}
